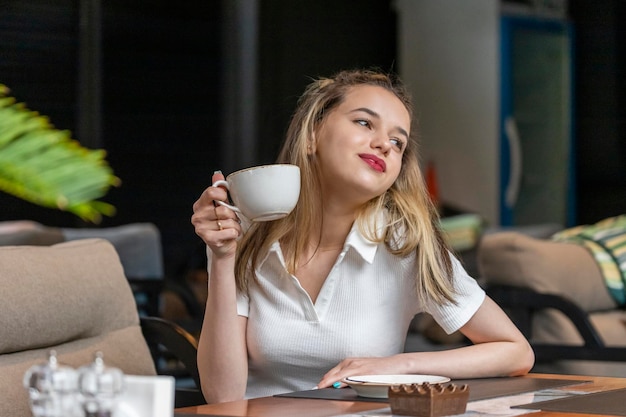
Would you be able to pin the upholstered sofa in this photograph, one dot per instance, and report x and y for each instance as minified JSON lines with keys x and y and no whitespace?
{"x":531,"y":271}
{"x":72,"y":297}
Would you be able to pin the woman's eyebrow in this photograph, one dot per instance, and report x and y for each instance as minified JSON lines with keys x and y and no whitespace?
{"x":377,"y":116}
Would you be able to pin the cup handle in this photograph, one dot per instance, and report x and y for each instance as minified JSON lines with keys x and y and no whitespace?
{"x":219,"y":183}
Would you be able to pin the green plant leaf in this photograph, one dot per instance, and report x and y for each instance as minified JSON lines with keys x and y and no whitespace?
{"x":45,"y":166}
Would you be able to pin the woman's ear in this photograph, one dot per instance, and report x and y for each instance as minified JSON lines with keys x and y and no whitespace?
{"x":310,"y":149}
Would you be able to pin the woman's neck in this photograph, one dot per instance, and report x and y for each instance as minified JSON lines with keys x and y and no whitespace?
{"x":334,"y":229}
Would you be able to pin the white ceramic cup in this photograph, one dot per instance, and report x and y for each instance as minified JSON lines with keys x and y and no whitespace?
{"x":263,"y":193}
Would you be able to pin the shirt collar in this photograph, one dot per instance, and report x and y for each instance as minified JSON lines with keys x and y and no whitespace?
{"x":363,"y":246}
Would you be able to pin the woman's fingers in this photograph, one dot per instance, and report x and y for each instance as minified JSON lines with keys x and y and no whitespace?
{"x":360,"y":366}
{"x":214,"y":223}
{"x":217,"y":175}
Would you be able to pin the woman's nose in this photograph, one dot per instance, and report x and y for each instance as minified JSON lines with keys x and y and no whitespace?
{"x":381,"y":142}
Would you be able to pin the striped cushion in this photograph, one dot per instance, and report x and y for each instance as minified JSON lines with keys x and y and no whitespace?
{"x":606,"y":240}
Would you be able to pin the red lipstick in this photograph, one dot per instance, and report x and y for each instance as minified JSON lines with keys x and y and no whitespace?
{"x":374,"y":161}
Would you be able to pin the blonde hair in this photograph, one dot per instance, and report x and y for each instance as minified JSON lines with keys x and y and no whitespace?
{"x":411,"y":222}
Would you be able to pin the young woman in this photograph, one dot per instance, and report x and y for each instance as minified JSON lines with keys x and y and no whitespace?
{"x":330,"y":290}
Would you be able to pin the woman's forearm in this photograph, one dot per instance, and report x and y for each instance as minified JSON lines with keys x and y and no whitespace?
{"x":474,"y":361}
{"x":222,"y":352}
{"x":498,"y":349}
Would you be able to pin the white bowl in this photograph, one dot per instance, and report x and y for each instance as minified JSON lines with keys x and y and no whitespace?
{"x":377,"y":386}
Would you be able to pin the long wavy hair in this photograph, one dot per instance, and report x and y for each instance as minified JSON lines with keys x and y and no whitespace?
{"x":411,"y":220}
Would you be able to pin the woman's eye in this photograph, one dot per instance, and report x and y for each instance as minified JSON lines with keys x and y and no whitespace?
{"x":397,"y":143}
{"x":363,"y":122}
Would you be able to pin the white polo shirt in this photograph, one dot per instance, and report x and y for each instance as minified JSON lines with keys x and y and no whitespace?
{"x":363,"y":309}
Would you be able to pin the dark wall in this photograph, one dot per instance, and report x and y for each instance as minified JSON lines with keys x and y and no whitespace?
{"x":161,"y":78}
{"x":38,"y":57}
{"x":160,"y":100}
{"x":600,"y":117}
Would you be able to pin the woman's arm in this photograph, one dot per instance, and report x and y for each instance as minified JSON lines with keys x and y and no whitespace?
{"x":222,"y":350}
{"x":498,"y":349}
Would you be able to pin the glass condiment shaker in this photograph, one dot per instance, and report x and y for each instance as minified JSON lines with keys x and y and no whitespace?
{"x":52,"y":389}
{"x":100,"y":387}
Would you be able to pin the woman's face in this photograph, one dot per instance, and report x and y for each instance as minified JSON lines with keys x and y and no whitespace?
{"x":360,"y":143}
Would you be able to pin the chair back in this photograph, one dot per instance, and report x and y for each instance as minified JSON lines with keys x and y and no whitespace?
{"x":140,"y":250}
{"x":72,"y":297}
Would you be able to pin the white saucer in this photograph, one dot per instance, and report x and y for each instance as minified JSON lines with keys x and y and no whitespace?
{"x":376,"y":386}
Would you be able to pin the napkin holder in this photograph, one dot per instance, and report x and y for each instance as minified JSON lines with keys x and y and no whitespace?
{"x":146,"y":396}
{"x":428,"y":400}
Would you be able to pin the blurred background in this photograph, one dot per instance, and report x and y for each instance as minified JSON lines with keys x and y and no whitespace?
{"x":176,"y":90}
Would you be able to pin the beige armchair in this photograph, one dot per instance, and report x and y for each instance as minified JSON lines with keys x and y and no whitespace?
{"x":73,"y":297}
{"x":138,"y":246}
{"x":556,"y":294}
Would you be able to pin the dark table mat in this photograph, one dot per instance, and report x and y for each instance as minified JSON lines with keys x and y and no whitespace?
{"x":480,"y":389}
{"x":607,"y":402}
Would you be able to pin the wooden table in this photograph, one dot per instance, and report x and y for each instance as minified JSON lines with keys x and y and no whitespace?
{"x":298,"y":407}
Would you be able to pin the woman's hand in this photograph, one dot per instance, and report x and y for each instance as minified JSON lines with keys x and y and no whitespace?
{"x":218,"y":226}
{"x":363,"y":366}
